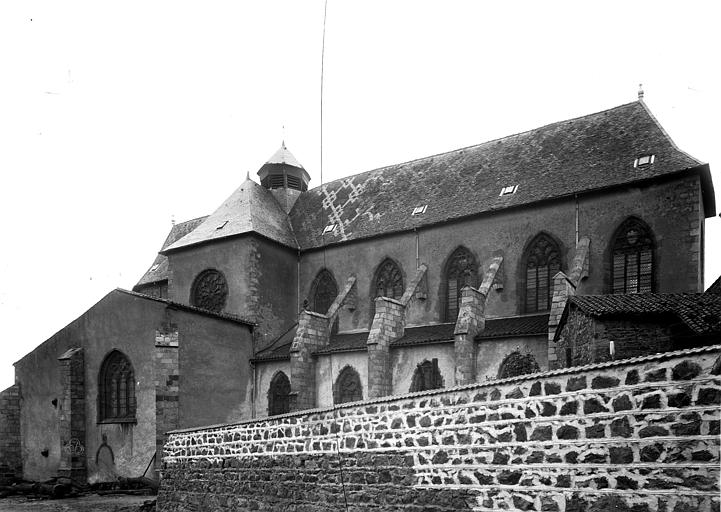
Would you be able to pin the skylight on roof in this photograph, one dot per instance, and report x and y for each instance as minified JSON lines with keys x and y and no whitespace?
{"x":507,"y":191}
{"x":644,"y":160}
{"x":329,"y":229}
{"x":222,"y":224}
{"x":418,"y":210}
{"x":154,"y":267}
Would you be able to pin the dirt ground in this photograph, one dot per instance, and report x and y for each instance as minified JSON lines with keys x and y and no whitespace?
{"x":89,"y":503}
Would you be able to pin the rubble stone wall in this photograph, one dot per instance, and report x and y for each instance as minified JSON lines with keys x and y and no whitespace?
{"x":637,"y":435}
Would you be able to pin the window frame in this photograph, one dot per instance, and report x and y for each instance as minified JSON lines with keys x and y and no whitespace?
{"x":279,"y":379}
{"x":346,"y":374}
{"x":530,"y":255}
{"x":107,"y":383}
{"x":644,"y":244}
{"x":456,"y":284}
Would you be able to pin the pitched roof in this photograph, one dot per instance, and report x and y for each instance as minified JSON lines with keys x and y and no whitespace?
{"x":158,"y":271}
{"x":561,"y":159}
{"x":187,"y":307}
{"x":251,"y":208}
{"x":701,"y":313}
{"x":715,"y":288}
{"x":437,"y":333}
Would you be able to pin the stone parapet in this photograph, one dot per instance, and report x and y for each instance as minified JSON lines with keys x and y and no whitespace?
{"x":639,"y":435}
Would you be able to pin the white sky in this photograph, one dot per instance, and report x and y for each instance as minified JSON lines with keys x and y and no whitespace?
{"x":115,"y":116}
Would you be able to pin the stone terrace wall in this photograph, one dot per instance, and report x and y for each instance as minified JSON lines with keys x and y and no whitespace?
{"x":637,"y":435}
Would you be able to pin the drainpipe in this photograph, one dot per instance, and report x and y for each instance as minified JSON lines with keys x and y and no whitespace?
{"x":575,"y":196}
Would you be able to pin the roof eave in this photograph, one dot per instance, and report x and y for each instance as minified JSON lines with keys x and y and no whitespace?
{"x":171,"y":250}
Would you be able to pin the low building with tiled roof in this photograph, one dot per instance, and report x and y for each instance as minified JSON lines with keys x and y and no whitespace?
{"x":598,"y":328}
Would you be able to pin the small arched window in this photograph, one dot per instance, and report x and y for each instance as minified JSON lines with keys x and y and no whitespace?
{"x":543,"y":262}
{"x":210,"y":290}
{"x":279,"y":395}
{"x":427,"y":376}
{"x":323,"y":292}
{"x":516,"y":364}
{"x":632,"y":265}
{"x":116,"y":389}
{"x":348,"y":386}
{"x":461,"y":270}
{"x":388,"y":282}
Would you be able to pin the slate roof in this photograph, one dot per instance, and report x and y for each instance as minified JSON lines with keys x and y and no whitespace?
{"x":715,"y":288}
{"x":701,"y":313}
{"x":251,"y":208}
{"x":188,"y":307}
{"x":177,"y":232}
{"x":533,"y":325}
{"x":593,"y":152}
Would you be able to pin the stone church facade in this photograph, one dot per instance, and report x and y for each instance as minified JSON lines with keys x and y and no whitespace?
{"x":452,"y":269}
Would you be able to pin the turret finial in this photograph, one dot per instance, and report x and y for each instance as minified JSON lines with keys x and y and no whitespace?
{"x":640,"y":91}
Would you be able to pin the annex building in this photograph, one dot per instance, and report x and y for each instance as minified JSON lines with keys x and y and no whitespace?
{"x":535,"y":251}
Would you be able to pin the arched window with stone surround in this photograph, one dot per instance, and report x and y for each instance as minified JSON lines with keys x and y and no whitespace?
{"x":279,"y":394}
{"x":348,"y":387}
{"x":542,"y":262}
{"x":387,"y":282}
{"x":209,"y":290}
{"x":426,"y":376}
{"x":632,"y":265}
{"x":516,"y":364}
{"x":323,"y":292}
{"x":461,"y":270}
{"x":116,"y":389}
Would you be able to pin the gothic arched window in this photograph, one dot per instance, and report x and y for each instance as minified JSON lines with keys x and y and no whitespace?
{"x":543,"y":261}
{"x":632,"y":265}
{"x":388,"y":282}
{"x":279,"y":395}
{"x":427,"y":376}
{"x":348,"y":387}
{"x":116,"y":389}
{"x":516,"y":364}
{"x":461,"y":270}
{"x":323,"y":292}
{"x":210,"y":290}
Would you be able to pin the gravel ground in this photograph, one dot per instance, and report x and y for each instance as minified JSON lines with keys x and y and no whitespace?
{"x":90,"y":503}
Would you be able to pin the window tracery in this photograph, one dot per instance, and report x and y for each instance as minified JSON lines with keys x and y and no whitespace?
{"x":633,"y":258}
{"x":516,"y":364}
{"x":461,"y":270}
{"x":543,"y":262}
{"x":116,"y":389}
{"x":210,"y":290}
{"x":388,"y":282}
{"x":348,"y":386}
{"x":426,"y":376}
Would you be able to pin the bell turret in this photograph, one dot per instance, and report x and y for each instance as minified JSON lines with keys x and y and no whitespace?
{"x":284,"y":176}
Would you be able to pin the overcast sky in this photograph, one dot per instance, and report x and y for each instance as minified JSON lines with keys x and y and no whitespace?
{"x":117,"y":116}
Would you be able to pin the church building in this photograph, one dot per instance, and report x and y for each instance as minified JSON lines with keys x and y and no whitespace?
{"x":451,"y":269}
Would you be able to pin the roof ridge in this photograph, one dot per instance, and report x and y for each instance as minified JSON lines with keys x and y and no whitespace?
{"x":497,"y":139}
{"x":665,"y":133}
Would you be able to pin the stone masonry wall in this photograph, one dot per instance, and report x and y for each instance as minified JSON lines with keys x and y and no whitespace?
{"x":638,"y":435}
{"x":166,"y":376}
{"x":10,"y":460}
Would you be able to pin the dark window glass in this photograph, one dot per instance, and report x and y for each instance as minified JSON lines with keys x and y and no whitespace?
{"x":461,"y":270}
{"x":543,"y":261}
{"x":116,"y":389}
{"x":388,"y":282}
{"x":516,"y":364}
{"x":348,"y":387}
{"x":279,"y":395}
{"x":427,"y":376}
{"x":323,"y":292}
{"x":632,"y":264}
